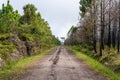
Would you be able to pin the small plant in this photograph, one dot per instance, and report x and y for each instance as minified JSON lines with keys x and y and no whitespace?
{"x":4,"y":54}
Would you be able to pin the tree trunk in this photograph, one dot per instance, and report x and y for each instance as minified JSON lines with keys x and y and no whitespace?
{"x":119,"y":30}
{"x":101,"y":39}
{"x":103,"y":24}
{"x":94,"y":30}
{"x":109,"y":29}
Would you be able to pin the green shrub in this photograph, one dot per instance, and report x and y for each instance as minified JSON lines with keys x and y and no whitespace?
{"x":9,"y":48}
{"x":6,"y":42}
{"x":4,"y":36}
{"x":4,"y":53}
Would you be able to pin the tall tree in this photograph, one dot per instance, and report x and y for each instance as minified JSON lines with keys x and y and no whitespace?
{"x":119,"y":30}
{"x":109,"y":26}
{"x":102,"y":26}
{"x":8,"y":17}
{"x":29,"y":14}
{"x":94,"y":25}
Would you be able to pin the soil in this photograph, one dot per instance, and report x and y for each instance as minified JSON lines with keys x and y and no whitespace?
{"x":60,"y":65}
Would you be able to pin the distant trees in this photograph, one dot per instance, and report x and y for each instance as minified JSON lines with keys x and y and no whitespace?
{"x":99,"y":25}
{"x":71,"y":40}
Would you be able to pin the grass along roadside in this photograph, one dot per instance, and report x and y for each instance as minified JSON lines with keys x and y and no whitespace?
{"x":96,"y":65}
{"x":18,"y":67}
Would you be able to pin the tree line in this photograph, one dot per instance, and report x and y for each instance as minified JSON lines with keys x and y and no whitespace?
{"x":99,"y":26}
{"x":30,"y":25}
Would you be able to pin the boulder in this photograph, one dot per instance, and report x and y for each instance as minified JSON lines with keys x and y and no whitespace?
{"x":15,"y":56}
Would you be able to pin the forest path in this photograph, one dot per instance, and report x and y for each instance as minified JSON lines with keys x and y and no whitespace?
{"x":60,"y":65}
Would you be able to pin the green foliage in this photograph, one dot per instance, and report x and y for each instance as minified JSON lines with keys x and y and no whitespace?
{"x":84,"y":5}
{"x":34,"y":27}
{"x":8,"y":18}
{"x":5,"y":36}
{"x":4,"y":54}
{"x":72,"y":30}
{"x":29,"y":14}
{"x":5,"y":49}
{"x":29,"y":27}
{"x":16,"y":29}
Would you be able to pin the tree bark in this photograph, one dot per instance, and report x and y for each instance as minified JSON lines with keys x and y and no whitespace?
{"x":101,"y":39}
{"x":119,"y":30}
{"x":94,"y":29}
{"x":109,"y":28}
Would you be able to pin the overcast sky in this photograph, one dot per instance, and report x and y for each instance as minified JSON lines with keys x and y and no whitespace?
{"x":60,"y":14}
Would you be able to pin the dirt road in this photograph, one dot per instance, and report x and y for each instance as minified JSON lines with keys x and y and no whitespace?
{"x":61,"y":65}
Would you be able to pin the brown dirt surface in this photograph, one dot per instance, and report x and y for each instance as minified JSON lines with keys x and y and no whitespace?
{"x":60,"y":65}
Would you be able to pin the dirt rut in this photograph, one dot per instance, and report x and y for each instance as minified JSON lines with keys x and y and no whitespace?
{"x":60,"y":65}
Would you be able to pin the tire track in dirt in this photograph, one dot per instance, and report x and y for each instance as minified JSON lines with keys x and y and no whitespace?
{"x":52,"y":74}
